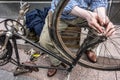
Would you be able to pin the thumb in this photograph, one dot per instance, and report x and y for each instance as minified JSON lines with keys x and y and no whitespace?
{"x":100,"y":20}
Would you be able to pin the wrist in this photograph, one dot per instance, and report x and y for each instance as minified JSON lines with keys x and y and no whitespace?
{"x":90,"y":15}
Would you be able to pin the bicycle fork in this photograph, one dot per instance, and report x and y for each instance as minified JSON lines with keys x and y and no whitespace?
{"x":84,"y":47}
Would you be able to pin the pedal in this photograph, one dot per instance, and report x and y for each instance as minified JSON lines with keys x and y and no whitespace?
{"x":25,"y":69}
{"x":21,"y":70}
{"x":29,"y":66}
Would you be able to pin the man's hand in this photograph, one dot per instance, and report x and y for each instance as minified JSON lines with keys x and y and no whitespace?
{"x":95,"y":22}
{"x":102,"y":26}
{"x":109,"y":27}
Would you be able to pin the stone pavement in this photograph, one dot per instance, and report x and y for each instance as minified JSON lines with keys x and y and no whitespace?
{"x":78,"y":73}
{"x":5,"y":75}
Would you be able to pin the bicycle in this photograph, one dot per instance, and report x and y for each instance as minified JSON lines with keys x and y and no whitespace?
{"x":11,"y":33}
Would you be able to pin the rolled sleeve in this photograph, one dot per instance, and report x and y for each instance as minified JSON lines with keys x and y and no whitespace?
{"x":53,"y":5}
{"x":68,"y":8}
{"x":99,"y":3}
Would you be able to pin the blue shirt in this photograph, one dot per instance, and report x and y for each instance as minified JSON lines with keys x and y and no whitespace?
{"x":85,"y":4}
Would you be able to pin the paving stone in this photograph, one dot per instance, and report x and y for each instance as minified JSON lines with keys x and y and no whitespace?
{"x":24,"y":78}
{"x":107,"y":75}
{"x":5,"y":75}
{"x":117,"y":75}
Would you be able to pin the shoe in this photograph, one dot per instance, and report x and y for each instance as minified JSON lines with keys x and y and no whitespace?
{"x":51,"y":72}
{"x":63,"y":65}
{"x":91,"y":56}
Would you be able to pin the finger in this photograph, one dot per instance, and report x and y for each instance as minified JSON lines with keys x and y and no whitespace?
{"x":92,"y":26}
{"x":98,"y":27}
{"x":110,"y":32}
{"x":100,"y":21}
{"x":109,"y":26}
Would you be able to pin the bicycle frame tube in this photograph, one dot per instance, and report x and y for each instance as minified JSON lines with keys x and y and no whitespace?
{"x":16,"y":51}
{"x":16,"y":61}
{"x":84,"y":47}
{"x":43,"y":49}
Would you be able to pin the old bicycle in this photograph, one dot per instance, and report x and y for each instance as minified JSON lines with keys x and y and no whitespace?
{"x":106,"y":60}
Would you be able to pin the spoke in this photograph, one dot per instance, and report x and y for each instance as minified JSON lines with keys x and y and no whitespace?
{"x":117,"y":28}
{"x":116,"y":48}
{"x":109,"y":53}
{"x":113,"y":41}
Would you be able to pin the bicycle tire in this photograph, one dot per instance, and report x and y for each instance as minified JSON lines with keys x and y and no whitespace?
{"x":6,"y":55}
{"x":105,"y":64}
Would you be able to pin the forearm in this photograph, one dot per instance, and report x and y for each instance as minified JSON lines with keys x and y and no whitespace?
{"x":79,"y":12}
{"x":91,"y":17}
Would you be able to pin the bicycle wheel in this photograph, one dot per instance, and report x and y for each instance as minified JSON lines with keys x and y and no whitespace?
{"x":5,"y":52}
{"x":108,"y":54}
{"x":108,"y":51}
